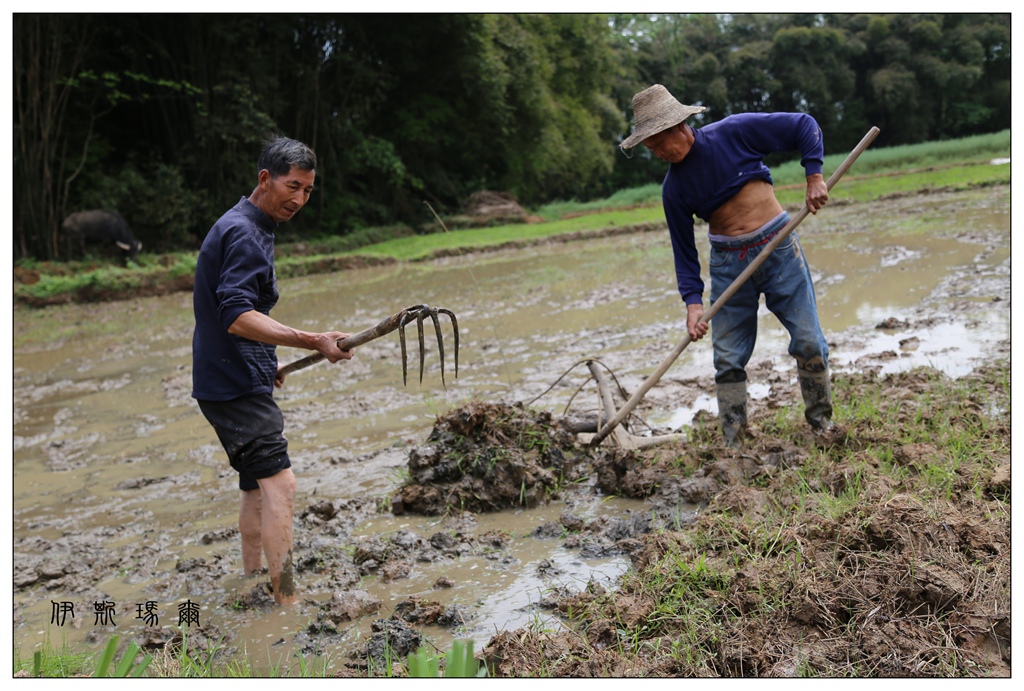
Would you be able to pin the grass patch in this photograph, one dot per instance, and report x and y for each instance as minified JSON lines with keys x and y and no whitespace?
{"x":646,"y":195}
{"x":54,"y":661}
{"x":62,"y":662}
{"x":979,"y":149}
{"x":865,"y":188}
{"x":90,"y":281}
{"x":333,"y":244}
{"x":423,"y":246}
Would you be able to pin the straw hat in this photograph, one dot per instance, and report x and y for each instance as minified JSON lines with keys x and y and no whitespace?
{"x":655,"y":110}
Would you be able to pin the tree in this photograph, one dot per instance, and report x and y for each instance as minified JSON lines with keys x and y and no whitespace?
{"x":53,"y":124}
{"x":929,"y":76}
{"x":811,"y":64}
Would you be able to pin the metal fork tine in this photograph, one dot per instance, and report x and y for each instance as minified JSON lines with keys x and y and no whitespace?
{"x":401,"y":340}
{"x":440,"y":341}
{"x":423,"y":346}
{"x":455,"y":331}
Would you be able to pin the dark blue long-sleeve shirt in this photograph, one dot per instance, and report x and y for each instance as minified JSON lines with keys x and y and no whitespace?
{"x":234,"y":274}
{"x":725,"y":156}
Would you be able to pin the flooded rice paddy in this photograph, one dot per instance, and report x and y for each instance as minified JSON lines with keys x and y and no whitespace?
{"x":122,"y":494}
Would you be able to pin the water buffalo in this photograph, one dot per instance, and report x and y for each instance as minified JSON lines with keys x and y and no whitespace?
{"x":104,"y":228}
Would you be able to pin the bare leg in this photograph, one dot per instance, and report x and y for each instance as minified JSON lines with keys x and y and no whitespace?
{"x":278,"y":506}
{"x":249,"y":518}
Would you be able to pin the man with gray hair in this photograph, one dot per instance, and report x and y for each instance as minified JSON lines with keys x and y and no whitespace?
{"x":718,"y":174}
{"x":234,"y":360}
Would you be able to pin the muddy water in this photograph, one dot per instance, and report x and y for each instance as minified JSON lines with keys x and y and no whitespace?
{"x":115,"y":469}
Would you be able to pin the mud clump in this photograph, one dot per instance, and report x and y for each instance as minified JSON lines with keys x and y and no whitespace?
{"x":623,"y":472}
{"x":259,"y":597}
{"x":486,"y":457}
{"x":392,"y":638}
{"x":422,"y":612}
{"x":345,"y":607}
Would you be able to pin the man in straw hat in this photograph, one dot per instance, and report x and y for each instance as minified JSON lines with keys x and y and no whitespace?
{"x":718,"y":173}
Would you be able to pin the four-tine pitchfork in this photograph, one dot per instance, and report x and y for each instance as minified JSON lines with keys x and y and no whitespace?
{"x":386,"y":326}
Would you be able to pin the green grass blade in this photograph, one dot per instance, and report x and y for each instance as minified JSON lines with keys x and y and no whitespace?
{"x":459,"y":662}
{"x":423,"y":665}
{"x":416,"y":663}
{"x":455,"y":660}
{"x":103,"y":666}
{"x":138,"y":672}
{"x":127,"y":661}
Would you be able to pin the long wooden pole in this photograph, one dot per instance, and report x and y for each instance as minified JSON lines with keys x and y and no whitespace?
{"x":729,"y":292}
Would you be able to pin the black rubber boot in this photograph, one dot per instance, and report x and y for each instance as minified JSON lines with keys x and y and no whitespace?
{"x":817,"y":392}
{"x":732,"y":412}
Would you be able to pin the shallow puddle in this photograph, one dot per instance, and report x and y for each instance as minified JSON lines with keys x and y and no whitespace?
{"x":502,"y":592}
{"x":111,"y":452}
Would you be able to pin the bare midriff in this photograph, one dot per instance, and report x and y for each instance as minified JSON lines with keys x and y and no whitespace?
{"x":749,"y":209}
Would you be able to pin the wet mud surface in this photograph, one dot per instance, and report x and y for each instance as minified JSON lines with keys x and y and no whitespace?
{"x":424,"y":515}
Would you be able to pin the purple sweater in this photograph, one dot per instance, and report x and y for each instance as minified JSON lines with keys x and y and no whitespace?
{"x":725,"y":156}
{"x":234,"y":274}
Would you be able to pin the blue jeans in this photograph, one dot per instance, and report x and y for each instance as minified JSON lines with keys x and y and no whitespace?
{"x":785,"y":281}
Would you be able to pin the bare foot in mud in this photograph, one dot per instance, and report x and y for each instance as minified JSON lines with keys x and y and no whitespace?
{"x":284,"y":587}
{"x":260,"y":596}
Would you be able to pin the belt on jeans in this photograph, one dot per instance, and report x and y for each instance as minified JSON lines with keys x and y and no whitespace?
{"x":743,"y":250}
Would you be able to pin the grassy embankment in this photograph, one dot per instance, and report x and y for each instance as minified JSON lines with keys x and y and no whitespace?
{"x":957,"y":164}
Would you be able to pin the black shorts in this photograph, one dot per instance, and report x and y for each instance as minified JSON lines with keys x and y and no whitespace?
{"x":251,"y":430}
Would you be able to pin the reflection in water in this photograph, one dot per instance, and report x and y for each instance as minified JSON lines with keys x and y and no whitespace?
{"x":106,"y":435}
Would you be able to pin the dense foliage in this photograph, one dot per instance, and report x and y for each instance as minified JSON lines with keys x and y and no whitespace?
{"x":162,"y":116}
